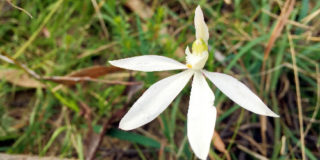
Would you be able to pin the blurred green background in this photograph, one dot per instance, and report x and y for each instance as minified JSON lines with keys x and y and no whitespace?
{"x":270,"y":45}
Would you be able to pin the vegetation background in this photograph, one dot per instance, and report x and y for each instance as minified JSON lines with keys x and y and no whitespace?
{"x":59,"y":97}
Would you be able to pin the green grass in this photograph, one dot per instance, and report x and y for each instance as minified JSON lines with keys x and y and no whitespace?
{"x":52,"y":121}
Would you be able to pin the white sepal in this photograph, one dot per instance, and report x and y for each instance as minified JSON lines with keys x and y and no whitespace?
{"x":187,"y":51}
{"x":201,"y":116}
{"x":239,"y":93}
{"x":202,"y":31}
{"x":155,"y":100}
{"x":148,"y":63}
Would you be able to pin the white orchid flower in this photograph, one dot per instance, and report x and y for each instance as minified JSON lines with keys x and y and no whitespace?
{"x":201,"y":114}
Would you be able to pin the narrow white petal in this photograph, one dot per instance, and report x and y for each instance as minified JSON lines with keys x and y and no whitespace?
{"x":201,"y":116}
{"x":239,"y":93}
{"x":200,"y":25}
{"x":155,"y":100}
{"x":148,"y":63}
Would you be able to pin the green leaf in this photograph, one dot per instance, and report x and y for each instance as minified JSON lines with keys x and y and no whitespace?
{"x":55,"y":134}
{"x":133,"y":138}
{"x":245,"y":49}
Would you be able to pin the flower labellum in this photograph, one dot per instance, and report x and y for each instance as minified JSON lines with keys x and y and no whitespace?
{"x":202,"y":114}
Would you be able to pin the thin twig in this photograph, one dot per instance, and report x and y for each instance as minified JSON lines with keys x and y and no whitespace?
{"x":294,"y":23}
{"x":95,"y":51}
{"x":60,"y":79}
{"x":308,"y":18}
{"x":35,"y":34}
{"x":281,"y":22}
{"x":256,"y":155}
{"x":296,"y":79}
{"x":103,"y":26}
{"x":252,"y":141}
{"x":19,"y":8}
{"x":66,"y":80}
{"x":317,"y":107}
{"x":7,"y":58}
{"x":29,"y":157}
{"x":235,"y":132}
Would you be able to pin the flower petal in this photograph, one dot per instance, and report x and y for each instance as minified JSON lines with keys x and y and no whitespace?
{"x":201,"y":116}
{"x":200,"y":25}
{"x":239,"y":93}
{"x":155,"y":100}
{"x":148,"y":63}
